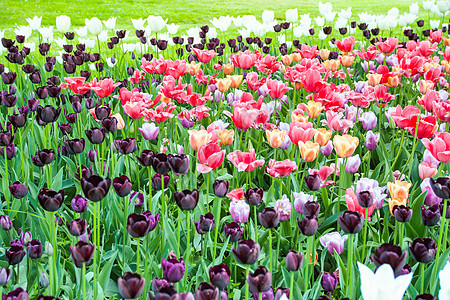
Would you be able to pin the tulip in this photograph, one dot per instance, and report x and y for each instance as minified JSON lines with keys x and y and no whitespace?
{"x":275,"y":137}
{"x":322,"y":136}
{"x":269,"y":218}
{"x":206,"y":223}
{"x":327,"y":149}
{"x":345,"y":145}
{"x":173,"y":268}
{"x":423,"y":250}
{"x":427,"y":170}
{"x":219,"y":276}
{"x":240,"y":211}
{"x":233,"y":231}
{"x":96,"y":135}
{"x":244,"y":118}
{"x":186,"y":200}
{"x":430,"y":216}
{"x":329,"y":281}
{"x":82,"y":252}
{"x":260,"y":280}
{"x":79,"y":203}
{"x":299,"y":131}
{"x":283,"y":207}
{"x":5,"y":275}
{"x":94,"y":25}
{"x":210,"y":157}
{"x":351,"y":221}
{"x":178,"y":163}
{"x":382,"y":284}
{"x":308,"y":150}
{"x":247,"y":252}
{"x":146,"y":157}
{"x":220,"y":188}
{"x":43,"y":157}
{"x":277,"y":89}
{"x":131,"y":285}
{"x":333,"y":241}
{"x":441,"y":187}
{"x":62,"y":23}
{"x":74,"y":146}
{"x":138,"y":225}
{"x":95,"y":188}
{"x":308,"y":225}
{"x":50,"y":200}
{"x":5,"y":222}
{"x":300,"y":199}
{"x":207,"y":291}
{"x":279,"y":169}
{"x":253,"y":196}
{"x":48,"y":114}
{"x":390,"y":254}
{"x":34,"y":249}
{"x":444,"y":275}
{"x":294,"y":260}
{"x":122,"y":185}
{"x":149,"y":131}
{"x":439,"y":147}
{"x":77,"y":227}
{"x":399,"y":190}
{"x":14,"y":255}
{"x":18,"y":190}
{"x":312,"y":182}
{"x":245,"y":161}
{"x":17,"y":294}
{"x":126,"y":146}
{"x":402,"y":213}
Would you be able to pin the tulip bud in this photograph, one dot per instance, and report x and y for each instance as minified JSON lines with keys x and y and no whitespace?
{"x":294,"y":260}
{"x":48,"y":249}
{"x":43,"y":280}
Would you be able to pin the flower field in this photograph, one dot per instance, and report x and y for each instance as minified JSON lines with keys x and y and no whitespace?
{"x":305,"y":158}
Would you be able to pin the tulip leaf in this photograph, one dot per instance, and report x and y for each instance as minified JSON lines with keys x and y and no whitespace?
{"x":106,"y":269}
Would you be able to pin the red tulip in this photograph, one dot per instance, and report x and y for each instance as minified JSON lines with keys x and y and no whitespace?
{"x":277,"y":89}
{"x":403,"y":117}
{"x":425,"y":127}
{"x":210,"y":157}
{"x":281,"y":168}
{"x":76,"y":84}
{"x":346,"y":45}
{"x":245,"y":161}
{"x":103,"y":88}
{"x":441,"y":110}
{"x":388,"y":46}
{"x":204,"y":56}
{"x":313,"y":82}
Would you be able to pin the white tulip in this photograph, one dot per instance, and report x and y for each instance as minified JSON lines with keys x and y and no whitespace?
{"x":87,"y":42}
{"x":443,"y":6}
{"x":111,"y":61}
{"x":223,"y":23}
{"x":382,"y":284}
{"x":305,"y":21}
{"x":325,"y":9}
{"x":59,"y":58}
{"x":110,"y":23}
{"x":292,"y":15}
{"x":268,"y":16}
{"x":394,"y":12}
{"x":434,"y":23}
{"x":47,"y":33}
{"x":444,"y":279}
{"x":320,"y":21}
{"x":103,"y":36}
{"x":237,"y":21}
{"x":172,"y":28}
{"x":138,"y":23}
{"x":427,"y":5}
{"x":81,"y":32}
{"x":244,"y":32}
{"x":35,"y":23}
{"x":212,"y":33}
{"x":26,"y":31}
{"x":92,"y":67}
{"x":156,"y":23}
{"x":435,"y":10}
{"x":62,"y":23}
{"x":94,"y":25}
{"x":322,"y":35}
{"x":281,"y":38}
{"x":128,"y":47}
{"x":193,"y":32}
{"x":298,"y":31}
{"x":345,"y":13}
{"x":329,"y":17}
{"x":414,"y":8}
{"x":31,"y":46}
{"x":61,"y":42}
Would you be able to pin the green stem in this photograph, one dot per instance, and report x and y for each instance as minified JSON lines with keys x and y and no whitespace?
{"x":291,"y":285}
{"x":216,"y":230}
{"x":422,"y":276}
{"x":350,"y":263}
{"x":365,"y":237}
{"x":188,"y":247}
{"x":246,"y":282}
{"x":270,"y":250}
{"x":83,"y":278}
{"x":137,"y":257}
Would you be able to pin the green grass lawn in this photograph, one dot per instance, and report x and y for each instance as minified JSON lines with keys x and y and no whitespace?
{"x":187,"y":13}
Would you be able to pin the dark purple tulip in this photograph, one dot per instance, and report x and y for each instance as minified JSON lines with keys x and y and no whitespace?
{"x":17,"y":242}
{"x":77,"y":227}
{"x":122,"y":185}
{"x":102,"y":112}
{"x":93,"y":155}
{"x":138,"y":225}
{"x":247,"y":252}
{"x":219,"y":276}
{"x":351,"y":221}
{"x":311,"y":208}
{"x":65,"y":129}
{"x":131,"y":285}
{"x":50,"y":200}
{"x":390,"y":254}
{"x":6,"y":138}
{"x":83,"y":172}
{"x":406,"y":270}
{"x":260,"y":280}
{"x":137,"y":198}
{"x":126,"y":146}
{"x":34,"y":249}
{"x":294,"y":260}
{"x":110,"y":124}
{"x":269,"y":218}
{"x":17,"y":294}
{"x":161,"y":164}
{"x":9,"y":100}
{"x":312,"y":182}
{"x":42,"y":297}
{"x":18,"y":190}
{"x":48,"y":114}
{"x":74,"y":146}
{"x":14,"y":255}
{"x":430,"y":216}
{"x":18,"y":120}
{"x":206,"y":223}
{"x":146,"y":158}
{"x":280,"y":292}
{"x":441,"y":187}
{"x":423,"y":250}
{"x":402,"y":213}
{"x":253,"y":196}
{"x":165,"y":293}
{"x":9,"y":78}
{"x":178,"y":163}
{"x":207,"y":291}
{"x":425,"y":296}
{"x":157,"y":182}
{"x":329,"y":282}
{"x":267,"y":295}
{"x":95,"y":188}
{"x":5,"y":275}
{"x":159,"y":283}
{"x":96,"y":135}
{"x":5,"y":222}
{"x":365,"y":198}
{"x":43,"y":157}
{"x":10,"y":152}
{"x":441,"y":210}
{"x":220,"y":188}
{"x":233,"y":231}
{"x":82,"y":252}
{"x":173,"y":268}
{"x":186,"y":200}
{"x":152,"y":219}
{"x":308,"y":225}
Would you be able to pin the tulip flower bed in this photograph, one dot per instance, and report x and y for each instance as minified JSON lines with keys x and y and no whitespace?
{"x":246,"y":168}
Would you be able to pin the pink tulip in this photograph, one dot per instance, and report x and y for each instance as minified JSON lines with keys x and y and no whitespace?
{"x":243,"y":117}
{"x":244,"y":60}
{"x":333,"y":241}
{"x":245,"y":161}
{"x":204,"y":56}
{"x":210,"y":157}
{"x":281,"y":168}
{"x":133,"y":109}
{"x":388,"y":46}
{"x":301,"y":132}
{"x":236,"y":194}
{"x":277,"y":89}
{"x":103,"y":88}
{"x":439,"y":147}
{"x":283,"y":207}
{"x":427,"y":170}
{"x":240,"y":211}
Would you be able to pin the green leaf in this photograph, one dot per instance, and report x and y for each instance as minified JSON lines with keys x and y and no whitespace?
{"x":106,"y":269}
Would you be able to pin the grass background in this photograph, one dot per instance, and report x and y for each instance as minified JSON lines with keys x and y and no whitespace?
{"x":184,"y":12}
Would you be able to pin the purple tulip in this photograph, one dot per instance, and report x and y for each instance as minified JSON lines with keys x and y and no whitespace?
{"x":368,"y":120}
{"x":138,"y":199}
{"x":430,"y":197}
{"x":353,"y":163}
{"x":17,"y":294}
{"x":371,"y":140}
{"x":173,"y":268}
{"x":283,"y":207}
{"x":18,"y":190}
{"x":149,"y":131}
{"x":327,"y":149}
{"x":219,"y":276}
{"x":5,"y":222}
{"x":79,"y":204}
{"x":233,"y":231}
{"x":300,"y":199}
{"x":5,"y":275}
{"x":205,"y":224}
{"x":131,"y":285}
